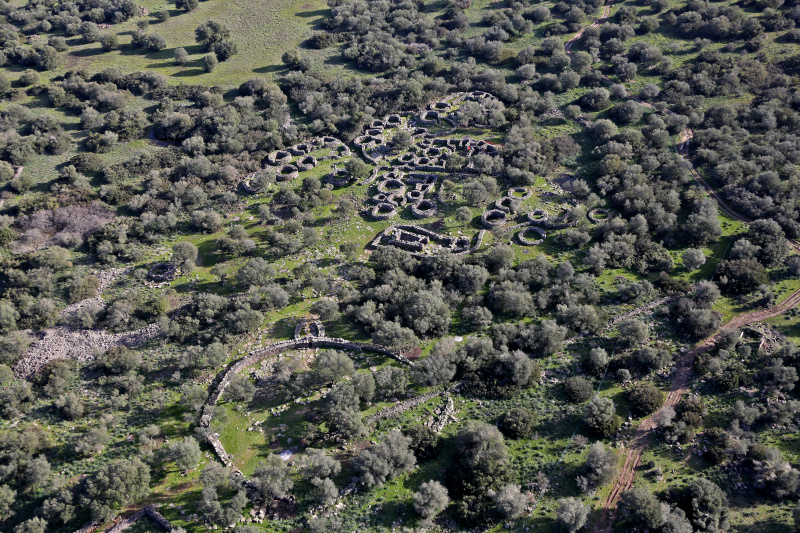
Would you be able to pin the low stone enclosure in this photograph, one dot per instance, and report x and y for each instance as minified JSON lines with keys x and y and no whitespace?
{"x":520,"y":193}
{"x":310,"y":341}
{"x":164,"y":271}
{"x":494,"y":218}
{"x":424,"y":209}
{"x":306,"y":163}
{"x":245,"y":183}
{"x":287,"y":173}
{"x":383,"y":211}
{"x":416,"y":239}
{"x":338,"y":177}
{"x":592,"y":215}
{"x":508,"y":204}
{"x":309,"y":327}
{"x":281,"y":157}
{"x":391,"y":186}
{"x":525,"y":241}
{"x":300,"y":149}
{"x":541,"y":218}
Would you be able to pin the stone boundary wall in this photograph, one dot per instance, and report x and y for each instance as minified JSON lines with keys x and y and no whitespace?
{"x":224,"y":377}
{"x":126,"y":523}
{"x":303,"y":342}
{"x":633,"y":312}
{"x":400,"y":407}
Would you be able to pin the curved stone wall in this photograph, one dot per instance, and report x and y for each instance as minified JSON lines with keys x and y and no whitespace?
{"x":531,"y":242}
{"x":494,"y":218}
{"x":223,"y":378}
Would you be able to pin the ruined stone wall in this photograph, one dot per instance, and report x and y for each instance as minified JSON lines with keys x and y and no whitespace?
{"x":126,"y":523}
{"x":400,"y":407}
{"x":226,"y":375}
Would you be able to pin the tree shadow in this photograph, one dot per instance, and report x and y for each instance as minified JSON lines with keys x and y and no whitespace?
{"x":163,"y":64}
{"x":189,"y":73}
{"x":88,"y":52}
{"x":269,"y":69}
{"x":315,"y":13}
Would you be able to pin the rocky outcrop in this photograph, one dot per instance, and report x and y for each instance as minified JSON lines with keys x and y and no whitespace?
{"x":446,"y":413}
{"x":62,"y":342}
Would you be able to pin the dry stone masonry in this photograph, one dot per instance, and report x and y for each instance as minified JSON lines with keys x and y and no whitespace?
{"x":422,"y":242}
{"x":314,"y":339}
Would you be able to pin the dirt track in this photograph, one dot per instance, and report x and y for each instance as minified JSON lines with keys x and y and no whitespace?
{"x":604,"y":14}
{"x":683,"y":374}
{"x":624,"y":479}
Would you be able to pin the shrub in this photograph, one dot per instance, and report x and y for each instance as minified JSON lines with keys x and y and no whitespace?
{"x":71,"y":406}
{"x":109,"y":42}
{"x":240,"y":389}
{"x":571,"y":514}
{"x":120,"y":360}
{"x":693,"y":259}
{"x":316,"y":463}
{"x":424,"y":442}
{"x":114,"y":485}
{"x":644,"y":399}
{"x":601,"y":416}
{"x":510,"y":502}
{"x":181,"y":56}
{"x":271,"y":477}
{"x":83,"y":287}
{"x":640,"y":509}
{"x":209,"y":62}
{"x":578,"y":389}
{"x":29,"y":77}
{"x":430,"y":499}
{"x":517,"y":423}
{"x":154,"y":43}
{"x":386,"y":460}
{"x":185,"y":453}
{"x":187,"y":5}
{"x":741,"y":275}
{"x":225,"y":49}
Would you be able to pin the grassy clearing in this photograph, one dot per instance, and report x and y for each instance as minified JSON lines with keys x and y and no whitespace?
{"x":262,"y":30}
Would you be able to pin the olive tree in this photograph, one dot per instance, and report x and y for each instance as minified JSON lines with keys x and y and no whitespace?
{"x":601,"y":416}
{"x":693,"y":259}
{"x":386,"y":460}
{"x":571,"y":514}
{"x":271,"y":477}
{"x":430,"y":499}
